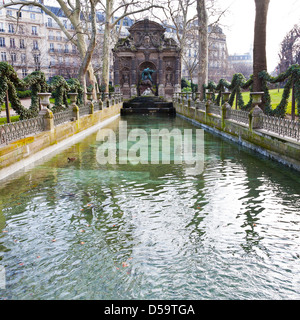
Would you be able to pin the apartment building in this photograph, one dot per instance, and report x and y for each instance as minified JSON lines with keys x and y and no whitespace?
{"x":22,"y":42}
{"x":218,"y":66}
{"x":31,"y":40}
{"x":63,"y":56}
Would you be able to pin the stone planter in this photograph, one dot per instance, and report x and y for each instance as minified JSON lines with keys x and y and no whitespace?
{"x":209,"y":95}
{"x":226,"y":96}
{"x":256,"y":98}
{"x":45,"y":99}
{"x":89,"y":96}
{"x":73,"y":97}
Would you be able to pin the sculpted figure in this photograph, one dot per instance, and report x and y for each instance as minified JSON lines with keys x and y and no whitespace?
{"x":146,"y":74}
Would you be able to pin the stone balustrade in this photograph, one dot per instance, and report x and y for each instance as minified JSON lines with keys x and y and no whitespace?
{"x":48,"y":120}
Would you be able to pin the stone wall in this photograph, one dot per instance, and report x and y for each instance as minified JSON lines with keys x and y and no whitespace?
{"x":14,"y":155}
{"x":282,"y":149}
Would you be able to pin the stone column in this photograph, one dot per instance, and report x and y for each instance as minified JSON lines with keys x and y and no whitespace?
{"x":255,"y":120}
{"x":48,"y":119}
{"x":133,"y":71}
{"x":160,"y":70}
{"x":226,"y":107}
{"x":116,"y":72}
{"x":177,"y":71}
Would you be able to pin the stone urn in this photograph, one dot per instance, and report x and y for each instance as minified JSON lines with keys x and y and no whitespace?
{"x":45,"y":99}
{"x":226,"y":96}
{"x":73,"y":97}
{"x":256,"y":98}
{"x":89,"y":96}
{"x":209,"y":95}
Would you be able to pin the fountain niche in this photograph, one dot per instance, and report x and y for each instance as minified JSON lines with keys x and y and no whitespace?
{"x":146,"y":62}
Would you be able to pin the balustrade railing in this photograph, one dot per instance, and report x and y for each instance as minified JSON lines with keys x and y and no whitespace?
{"x":239,"y":116}
{"x":63,"y":116}
{"x":215,"y":110}
{"x":84,"y":110}
{"x":200,"y":106}
{"x":20,"y":129}
{"x":282,"y":127}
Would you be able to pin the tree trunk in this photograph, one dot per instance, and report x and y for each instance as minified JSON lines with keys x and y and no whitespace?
{"x":259,"y":47}
{"x":106,"y":37}
{"x":203,"y":46}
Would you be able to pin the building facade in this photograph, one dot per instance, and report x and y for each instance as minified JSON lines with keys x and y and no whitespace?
{"x":22,"y":42}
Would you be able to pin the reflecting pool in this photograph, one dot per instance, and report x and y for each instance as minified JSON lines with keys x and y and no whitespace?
{"x":81,"y":230}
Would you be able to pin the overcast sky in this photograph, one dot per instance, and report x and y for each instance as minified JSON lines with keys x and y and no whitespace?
{"x":282,"y":16}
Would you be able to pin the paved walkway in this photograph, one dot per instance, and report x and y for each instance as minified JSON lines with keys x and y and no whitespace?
{"x":25,"y":102}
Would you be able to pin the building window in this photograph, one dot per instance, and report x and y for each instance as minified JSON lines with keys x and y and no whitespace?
{"x":2,"y":27}
{"x":32,"y":16}
{"x":65,"y":23}
{"x":11,"y":28}
{"x":22,"y":43}
{"x":51,"y":47}
{"x":52,"y":62}
{"x":66,"y":48}
{"x":23,"y":58}
{"x":13,"y":57}
{"x":3,"y":56}
{"x":2,"y":42}
{"x":24,"y":72}
{"x":34,"y":30}
{"x":9,"y":12}
{"x":51,"y":36}
{"x":58,"y":36}
{"x":49,"y":22}
{"x":19,"y":14}
{"x":12,"y":43}
{"x":35,"y":45}
{"x":21,"y":29}
{"x":36,"y":58}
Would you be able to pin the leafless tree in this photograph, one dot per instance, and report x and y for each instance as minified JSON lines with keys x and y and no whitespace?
{"x":289,"y":53}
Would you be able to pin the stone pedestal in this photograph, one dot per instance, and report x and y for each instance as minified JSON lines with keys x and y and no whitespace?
{"x":48,"y":119}
{"x":161,"y":90}
{"x":255,"y":118}
{"x":133,"y":91}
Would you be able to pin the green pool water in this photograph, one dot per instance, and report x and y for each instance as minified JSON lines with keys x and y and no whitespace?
{"x":81,"y":230}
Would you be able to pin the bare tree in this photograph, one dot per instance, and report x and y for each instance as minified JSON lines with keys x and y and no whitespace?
{"x":289,"y":53}
{"x":116,"y":11}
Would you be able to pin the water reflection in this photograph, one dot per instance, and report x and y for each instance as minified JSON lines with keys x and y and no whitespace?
{"x":80,"y":230}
